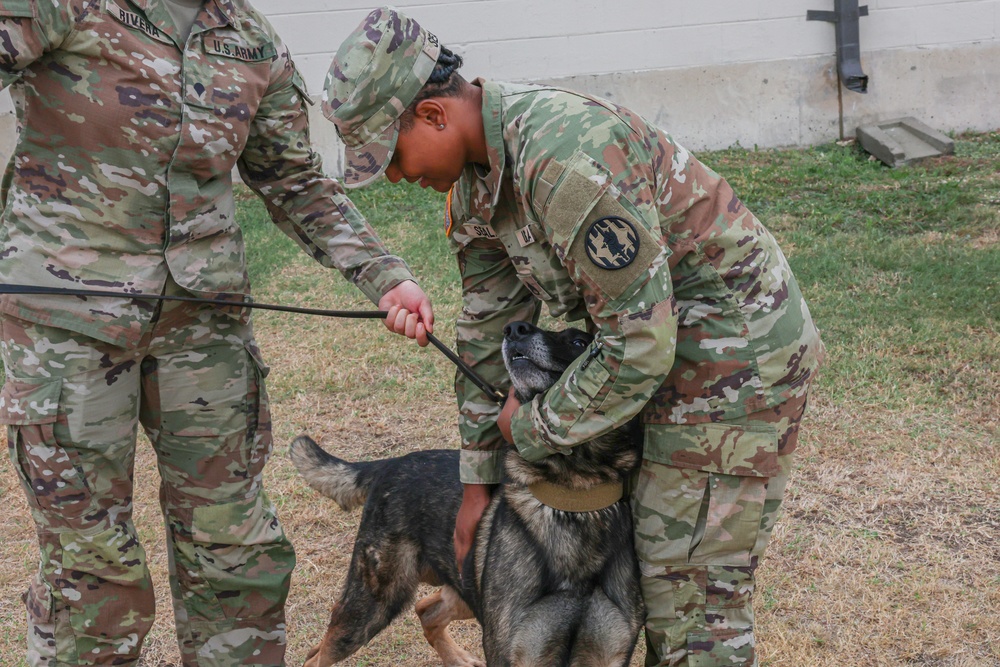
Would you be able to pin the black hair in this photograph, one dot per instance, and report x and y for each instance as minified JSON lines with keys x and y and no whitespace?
{"x":444,"y":81}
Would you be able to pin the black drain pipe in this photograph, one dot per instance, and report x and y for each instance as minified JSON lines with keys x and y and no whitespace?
{"x":845,"y":17}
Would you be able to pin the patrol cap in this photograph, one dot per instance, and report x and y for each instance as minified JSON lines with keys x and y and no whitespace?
{"x":377,"y":72}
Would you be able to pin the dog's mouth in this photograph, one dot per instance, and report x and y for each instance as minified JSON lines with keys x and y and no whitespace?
{"x":517,"y":356}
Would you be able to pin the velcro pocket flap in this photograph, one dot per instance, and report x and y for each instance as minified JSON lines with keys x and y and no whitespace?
{"x":24,"y":402}
{"x":582,"y":184}
{"x":300,"y":87}
{"x":24,"y":9}
{"x":744,"y":450}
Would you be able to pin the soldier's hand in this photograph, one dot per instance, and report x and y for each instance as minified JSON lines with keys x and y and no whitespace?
{"x":409,"y":312}
{"x":475,"y":498}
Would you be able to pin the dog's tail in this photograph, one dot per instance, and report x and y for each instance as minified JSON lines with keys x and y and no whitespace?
{"x":346,"y":482}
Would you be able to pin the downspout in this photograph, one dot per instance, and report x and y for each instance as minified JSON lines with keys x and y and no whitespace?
{"x":845,"y":17}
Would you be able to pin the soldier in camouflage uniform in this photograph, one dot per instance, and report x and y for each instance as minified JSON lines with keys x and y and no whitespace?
{"x":701,"y":330}
{"x":131,"y":117}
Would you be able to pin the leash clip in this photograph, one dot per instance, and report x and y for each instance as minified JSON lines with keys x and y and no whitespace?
{"x":593,"y":355}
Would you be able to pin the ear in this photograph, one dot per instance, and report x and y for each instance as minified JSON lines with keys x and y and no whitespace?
{"x":431,"y":112}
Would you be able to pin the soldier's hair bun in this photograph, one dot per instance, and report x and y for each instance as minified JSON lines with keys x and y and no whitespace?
{"x":447,"y":63}
{"x":444,"y":81}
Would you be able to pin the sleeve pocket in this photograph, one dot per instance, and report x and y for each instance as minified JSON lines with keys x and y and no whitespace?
{"x":586,"y":383}
{"x":300,"y":87}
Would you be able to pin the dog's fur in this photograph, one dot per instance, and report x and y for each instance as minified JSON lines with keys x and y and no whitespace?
{"x":550,"y":587}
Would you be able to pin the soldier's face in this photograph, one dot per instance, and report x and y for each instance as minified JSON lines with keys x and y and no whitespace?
{"x":428,"y":154}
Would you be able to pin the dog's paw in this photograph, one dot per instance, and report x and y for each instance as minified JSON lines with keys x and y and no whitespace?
{"x":312,"y":659}
{"x":461,"y":658}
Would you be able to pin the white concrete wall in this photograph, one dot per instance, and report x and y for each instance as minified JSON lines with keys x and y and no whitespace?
{"x":527,"y":40}
{"x":714,"y":73}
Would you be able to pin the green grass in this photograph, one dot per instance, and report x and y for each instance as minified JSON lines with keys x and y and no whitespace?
{"x":893,"y":502}
{"x":408,"y":219}
{"x":900,"y":267}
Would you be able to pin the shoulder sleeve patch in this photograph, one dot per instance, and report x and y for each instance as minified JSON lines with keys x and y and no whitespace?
{"x":612,"y":247}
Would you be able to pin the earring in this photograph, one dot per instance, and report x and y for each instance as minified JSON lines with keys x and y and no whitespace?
{"x":441,"y":127}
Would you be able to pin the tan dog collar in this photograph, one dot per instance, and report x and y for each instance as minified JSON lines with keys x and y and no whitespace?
{"x":571,"y":500}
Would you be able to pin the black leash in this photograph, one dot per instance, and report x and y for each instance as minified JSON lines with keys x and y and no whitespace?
{"x":492,"y":392}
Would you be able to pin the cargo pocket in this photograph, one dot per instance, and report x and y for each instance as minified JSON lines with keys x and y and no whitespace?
{"x":38,"y":601}
{"x":244,"y":557}
{"x":721,"y":647}
{"x":701,"y":492}
{"x":258,"y":410}
{"x":51,"y":476}
{"x":43,"y":637}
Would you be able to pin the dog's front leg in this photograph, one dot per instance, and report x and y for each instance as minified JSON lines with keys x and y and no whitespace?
{"x":436,"y":611}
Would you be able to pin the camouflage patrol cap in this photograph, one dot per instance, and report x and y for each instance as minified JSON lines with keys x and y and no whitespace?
{"x":377,"y":72}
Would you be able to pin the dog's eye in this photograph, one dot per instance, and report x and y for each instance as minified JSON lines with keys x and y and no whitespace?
{"x":579,"y":342}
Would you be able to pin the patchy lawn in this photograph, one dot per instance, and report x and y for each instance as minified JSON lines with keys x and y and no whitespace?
{"x":888,"y":552}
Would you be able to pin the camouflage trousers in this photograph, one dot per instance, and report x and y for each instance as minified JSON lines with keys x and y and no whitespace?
{"x":704,"y":506}
{"x":73,"y":405}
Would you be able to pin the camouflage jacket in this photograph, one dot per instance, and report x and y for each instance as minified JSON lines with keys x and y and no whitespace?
{"x":589,"y":208}
{"x":127,"y":142}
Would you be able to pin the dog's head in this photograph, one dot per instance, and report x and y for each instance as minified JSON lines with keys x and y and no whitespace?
{"x":535,"y":358}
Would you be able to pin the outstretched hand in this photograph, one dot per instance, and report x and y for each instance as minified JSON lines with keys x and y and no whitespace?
{"x":409,"y":312}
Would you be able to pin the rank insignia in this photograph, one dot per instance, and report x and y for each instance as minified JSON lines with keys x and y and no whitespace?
{"x":612,"y":243}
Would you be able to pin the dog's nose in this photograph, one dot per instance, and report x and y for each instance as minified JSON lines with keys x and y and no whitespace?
{"x":517,"y":330}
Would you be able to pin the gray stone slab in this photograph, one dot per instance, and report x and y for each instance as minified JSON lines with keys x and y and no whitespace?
{"x":903,"y":141}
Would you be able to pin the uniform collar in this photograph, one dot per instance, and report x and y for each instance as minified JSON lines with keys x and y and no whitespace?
{"x":220,"y":13}
{"x":495,"y":151}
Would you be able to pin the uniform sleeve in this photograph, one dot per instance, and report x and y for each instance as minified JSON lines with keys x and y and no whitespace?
{"x":280,"y":164}
{"x":613,"y":251}
{"x":492,"y":296}
{"x":28,"y":30}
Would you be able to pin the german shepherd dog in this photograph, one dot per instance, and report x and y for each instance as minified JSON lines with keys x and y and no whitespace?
{"x":549,"y":587}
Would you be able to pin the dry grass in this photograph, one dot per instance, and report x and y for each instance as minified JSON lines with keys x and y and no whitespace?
{"x":888,"y":552}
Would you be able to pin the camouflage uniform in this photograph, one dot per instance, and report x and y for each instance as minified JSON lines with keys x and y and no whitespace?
{"x":121,"y":180}
{"x":701,"y":330}
{"x":700,"y":326}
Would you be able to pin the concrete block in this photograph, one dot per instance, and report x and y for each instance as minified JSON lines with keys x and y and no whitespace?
{"x":904,"y":141}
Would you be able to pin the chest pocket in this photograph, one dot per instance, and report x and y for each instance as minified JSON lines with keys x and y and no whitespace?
{"x":235,"y":73}
{"x":222,"y":92}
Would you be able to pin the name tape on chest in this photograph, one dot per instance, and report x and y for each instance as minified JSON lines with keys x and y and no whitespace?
{"x":480,"y":231}
{"x":232,"y":47}
{"x":135,"y":21}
